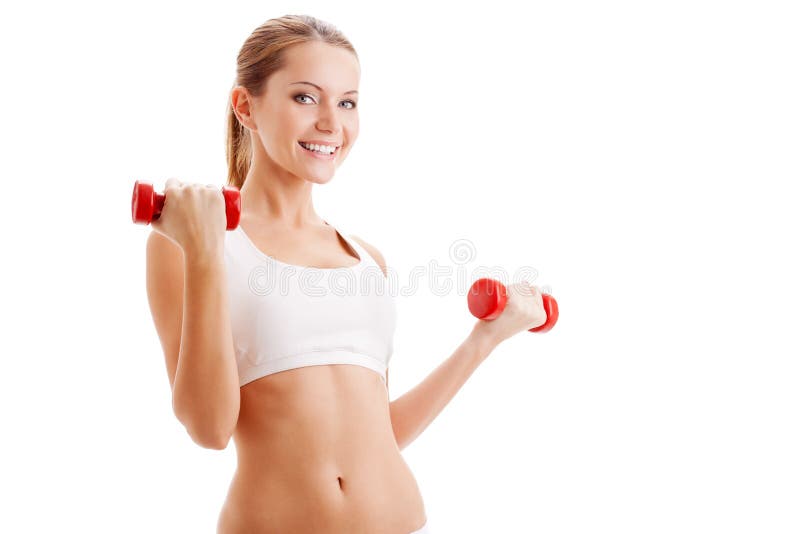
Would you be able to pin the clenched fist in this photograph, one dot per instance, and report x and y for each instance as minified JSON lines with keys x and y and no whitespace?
{"x":193,"y":216}
{"x":524,"y":309}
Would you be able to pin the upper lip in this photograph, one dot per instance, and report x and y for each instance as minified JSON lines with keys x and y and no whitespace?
{"x":320,"y":142}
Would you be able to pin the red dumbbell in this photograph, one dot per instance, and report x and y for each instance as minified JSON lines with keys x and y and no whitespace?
{"x":487,"y":299}
{"x":146,"y":204}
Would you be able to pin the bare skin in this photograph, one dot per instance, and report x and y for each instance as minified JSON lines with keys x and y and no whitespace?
{"x":315,"y":445}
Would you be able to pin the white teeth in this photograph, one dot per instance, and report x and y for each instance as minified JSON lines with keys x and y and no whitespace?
{"x":323,"y":149}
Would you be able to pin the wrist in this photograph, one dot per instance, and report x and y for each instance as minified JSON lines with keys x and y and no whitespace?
{"x":482,"y":338}
{"x":203,"y":256}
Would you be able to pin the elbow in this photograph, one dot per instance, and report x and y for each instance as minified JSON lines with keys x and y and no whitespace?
{"x":217,"y":444}
{"x":208,"y":439}
{"x":220,"y":440}
{"x":205,"y":435}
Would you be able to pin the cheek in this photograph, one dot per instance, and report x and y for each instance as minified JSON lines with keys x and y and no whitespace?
{"x":289,"y":117}
{"x":353,"y":129}
{"x":284,"y":126}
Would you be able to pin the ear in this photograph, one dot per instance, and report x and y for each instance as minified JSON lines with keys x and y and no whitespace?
{"x":242,"y":104}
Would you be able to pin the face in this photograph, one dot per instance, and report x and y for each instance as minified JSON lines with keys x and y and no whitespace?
{"x":290,"y":113}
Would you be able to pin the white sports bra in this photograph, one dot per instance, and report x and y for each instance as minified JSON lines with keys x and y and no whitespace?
{"x":288,"y":316}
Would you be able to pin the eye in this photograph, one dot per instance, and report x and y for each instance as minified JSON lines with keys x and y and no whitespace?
{"x":353,"y":103}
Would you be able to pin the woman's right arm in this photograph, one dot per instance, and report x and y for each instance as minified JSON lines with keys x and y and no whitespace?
{"x":189,"y":302}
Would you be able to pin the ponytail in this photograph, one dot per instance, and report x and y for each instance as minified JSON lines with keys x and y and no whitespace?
{"x":237,"y":149}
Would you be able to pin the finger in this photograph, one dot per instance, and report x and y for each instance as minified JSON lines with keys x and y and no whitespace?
{"x":172,"y":182}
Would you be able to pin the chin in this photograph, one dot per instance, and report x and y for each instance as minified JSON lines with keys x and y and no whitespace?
{"x":318,"y":179}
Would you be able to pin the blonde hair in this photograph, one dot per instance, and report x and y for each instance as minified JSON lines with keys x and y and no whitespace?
{"x":260,"y":56}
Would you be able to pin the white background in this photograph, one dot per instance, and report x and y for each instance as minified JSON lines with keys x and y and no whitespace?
{"x":639,"y":155}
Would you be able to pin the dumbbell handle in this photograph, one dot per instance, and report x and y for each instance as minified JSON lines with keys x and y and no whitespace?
{"x":487,"y":299}
{"x":146,"y":204}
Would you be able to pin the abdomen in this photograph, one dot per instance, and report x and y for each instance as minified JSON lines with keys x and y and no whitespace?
{"x":316,"y":453}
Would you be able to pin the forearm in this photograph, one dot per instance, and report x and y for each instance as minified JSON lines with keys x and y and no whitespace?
{"x":416,"y":409}
{"x":206,"y":389}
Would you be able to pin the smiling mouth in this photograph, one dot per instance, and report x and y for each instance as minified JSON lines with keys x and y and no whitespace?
{"x":304,"y":146}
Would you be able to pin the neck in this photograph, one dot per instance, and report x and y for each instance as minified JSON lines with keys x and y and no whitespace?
{"x":273,"y":194}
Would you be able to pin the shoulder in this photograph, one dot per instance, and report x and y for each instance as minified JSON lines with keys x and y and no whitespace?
{"x":374,"y":252}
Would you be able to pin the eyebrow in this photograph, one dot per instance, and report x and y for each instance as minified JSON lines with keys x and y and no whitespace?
{"x":321,"y":89}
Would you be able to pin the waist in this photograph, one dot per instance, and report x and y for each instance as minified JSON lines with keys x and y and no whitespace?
{"x":301,"y":485}
{"x":384,"y":498}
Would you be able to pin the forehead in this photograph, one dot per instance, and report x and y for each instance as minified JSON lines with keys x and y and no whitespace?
{"x":333,"y":68}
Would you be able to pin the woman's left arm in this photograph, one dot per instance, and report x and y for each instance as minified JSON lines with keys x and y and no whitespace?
{"x":412,"y":412}
{"x":416,"y":409}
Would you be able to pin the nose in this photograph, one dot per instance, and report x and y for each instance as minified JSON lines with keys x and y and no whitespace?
{"x":329,"y":120}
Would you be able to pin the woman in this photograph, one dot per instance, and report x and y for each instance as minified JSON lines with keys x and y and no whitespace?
{"x":298,"y":377}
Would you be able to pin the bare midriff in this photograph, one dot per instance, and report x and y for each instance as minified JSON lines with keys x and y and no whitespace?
{"x":316,"y":453}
